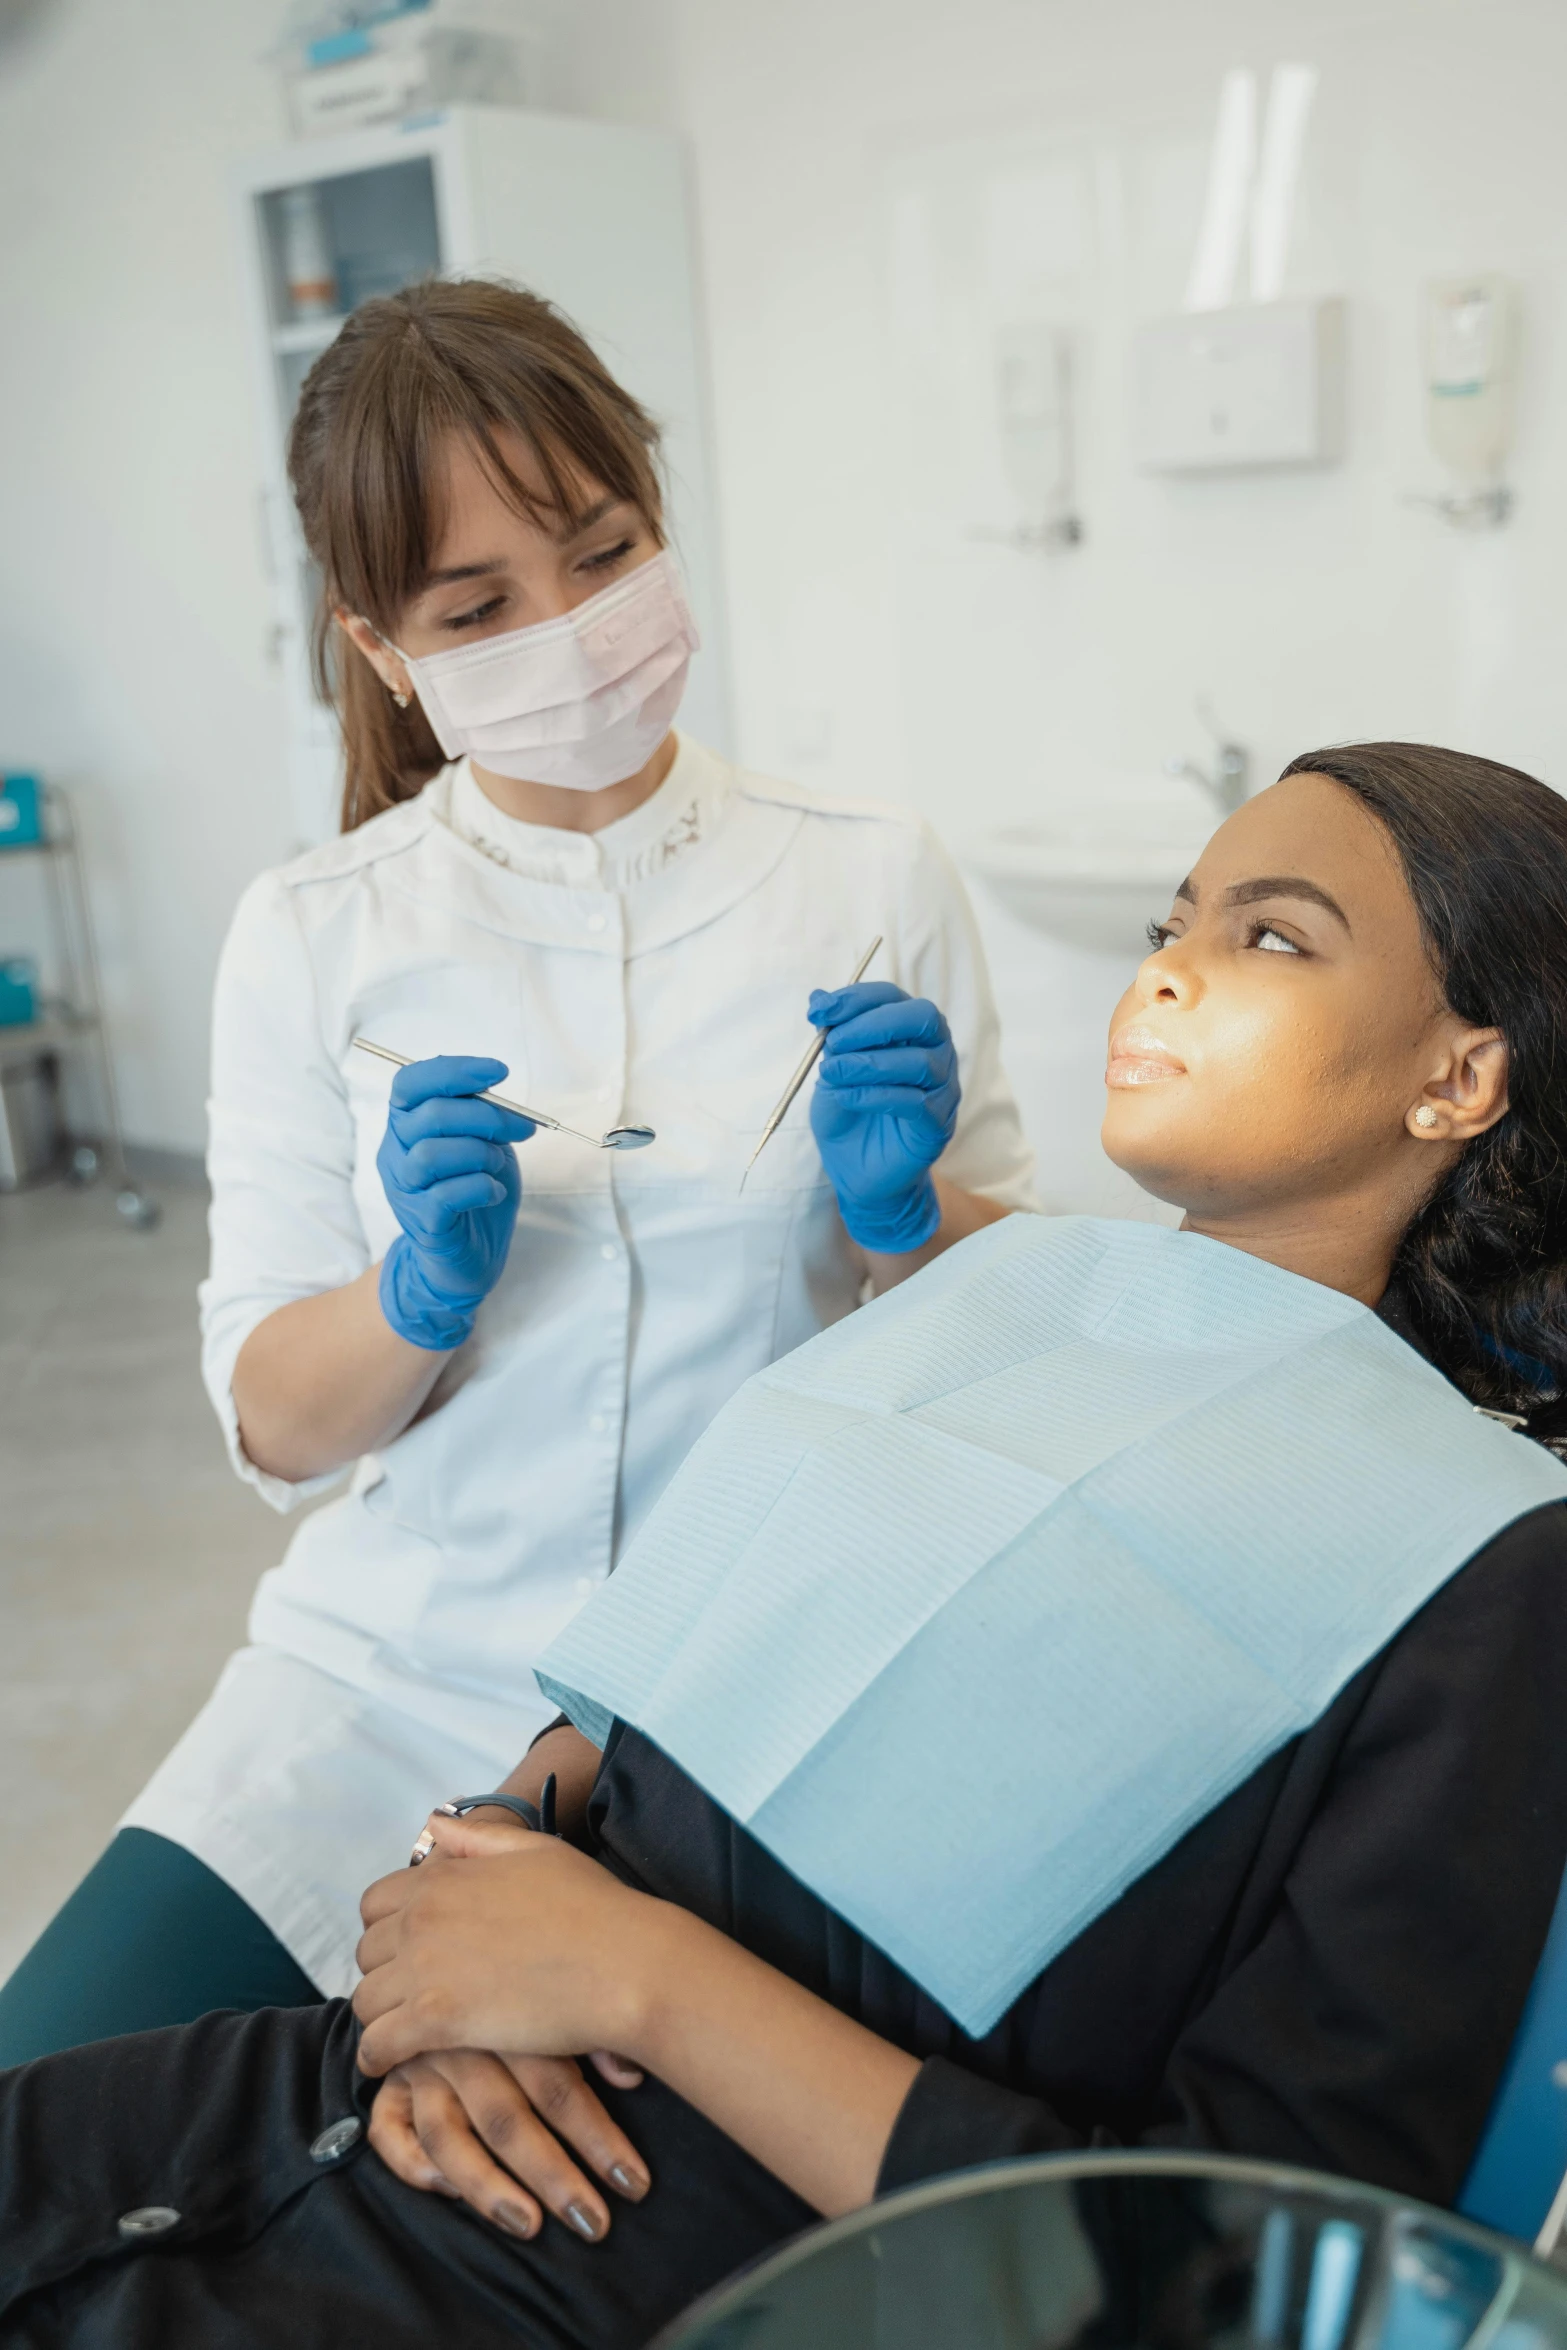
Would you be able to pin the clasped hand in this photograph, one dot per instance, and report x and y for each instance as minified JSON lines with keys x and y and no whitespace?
{"x":514,"y":1942}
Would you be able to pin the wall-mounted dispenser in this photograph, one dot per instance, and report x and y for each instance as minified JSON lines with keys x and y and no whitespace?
{"x":1253,"y":385}
{"x":1234,"y":382}
{"x":1469,"y":343}
{"x":1033,"y":376}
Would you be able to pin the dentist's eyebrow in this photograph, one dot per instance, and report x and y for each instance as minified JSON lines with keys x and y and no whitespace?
{"x":494,"y":565}
{"x":574,"y":526}
{"x":489,"y":570}
{"x":1284,"y":885}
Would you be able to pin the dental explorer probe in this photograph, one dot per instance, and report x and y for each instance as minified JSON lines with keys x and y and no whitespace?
{"x":619,"y":1138}
{"x":812,"y":1056}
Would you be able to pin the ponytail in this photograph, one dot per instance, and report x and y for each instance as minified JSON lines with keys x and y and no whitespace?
{"x":388,"y":754}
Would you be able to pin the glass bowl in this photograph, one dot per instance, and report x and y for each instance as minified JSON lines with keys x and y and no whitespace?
{"x":1138,"y":2252}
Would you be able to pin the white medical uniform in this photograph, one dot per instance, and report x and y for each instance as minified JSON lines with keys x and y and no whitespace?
{"x":656,"y":971}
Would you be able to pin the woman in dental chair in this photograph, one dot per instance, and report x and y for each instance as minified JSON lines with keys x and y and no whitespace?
{"x":1109,"y":1691}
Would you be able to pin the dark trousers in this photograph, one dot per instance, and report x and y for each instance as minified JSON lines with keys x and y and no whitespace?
{"x":149,"y":1937}
{"x":283,"y":2235}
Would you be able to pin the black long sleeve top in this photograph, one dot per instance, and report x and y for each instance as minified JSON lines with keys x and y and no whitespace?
{"x":1328,"y":1969}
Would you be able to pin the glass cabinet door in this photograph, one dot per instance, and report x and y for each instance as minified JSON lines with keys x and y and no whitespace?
{"x":330,"y":244}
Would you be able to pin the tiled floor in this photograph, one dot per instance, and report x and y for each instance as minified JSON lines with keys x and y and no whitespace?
{"x":127,"y":1548}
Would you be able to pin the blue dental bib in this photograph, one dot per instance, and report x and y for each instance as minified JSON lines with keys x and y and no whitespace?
{"x":972,"y":1606}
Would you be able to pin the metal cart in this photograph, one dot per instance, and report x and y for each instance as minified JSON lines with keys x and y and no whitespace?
{"x":73,"y":1021}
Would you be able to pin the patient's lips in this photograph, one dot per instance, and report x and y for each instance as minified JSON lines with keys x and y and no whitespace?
{"x":1137,"y":1057}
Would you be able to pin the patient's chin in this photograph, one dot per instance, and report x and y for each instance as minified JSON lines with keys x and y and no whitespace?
{"x":1167,"y":1186}
{"x":1162,"y":1160}
{"x":1145,"y":1133}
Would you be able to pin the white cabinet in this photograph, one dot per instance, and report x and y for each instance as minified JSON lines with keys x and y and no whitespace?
{"x":593,"y":215}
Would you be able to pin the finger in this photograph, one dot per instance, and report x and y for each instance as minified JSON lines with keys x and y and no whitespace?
{"x":829,"y":1005}
{"x":444,"y":1073}
{"x":560,"y":2096}
{"x":394,"y":2138}
{"x":501,"y":2113}
{"x":435,"y":1210}
{"x":393,"y":2030}
{"x":892,"y":1101}
{"x":462,"y":1114}
{"x":477,"y":1835}
{"x":891,"y":1064}
{"x":378,"y":1945}
{"x":433,"y":1218}
{"x":446,"y":2133}
{"x":913,"y":1020}
{"x":429,"y":1203}
{"x":386,"y":1896}
{"x":369,"y":2007}
{"x":382,"y":1992}
{"x":619,"y":2071}
{"x":445,"y":1158}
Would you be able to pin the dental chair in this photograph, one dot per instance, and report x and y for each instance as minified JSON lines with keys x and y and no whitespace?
{"x":1518,"y":2180}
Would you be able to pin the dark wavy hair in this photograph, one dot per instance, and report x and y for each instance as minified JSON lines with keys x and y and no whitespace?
{"x":1482,"y":1271}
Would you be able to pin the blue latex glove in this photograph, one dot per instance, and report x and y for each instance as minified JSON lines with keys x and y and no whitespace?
{"x":450,"y":1173}
{"x":885,"y":1104}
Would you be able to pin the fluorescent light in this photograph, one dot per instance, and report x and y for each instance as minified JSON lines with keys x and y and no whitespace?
{"x":1231,"y":164}
{"x":1290,"y":93}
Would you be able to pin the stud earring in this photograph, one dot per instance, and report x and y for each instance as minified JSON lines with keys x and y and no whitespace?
{"x":1425,"y":1116}
{"x":400,"y":699}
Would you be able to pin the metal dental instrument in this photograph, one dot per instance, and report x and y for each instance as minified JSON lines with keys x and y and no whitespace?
{"x":619,"y":1138}
{"x":806,"y":1066}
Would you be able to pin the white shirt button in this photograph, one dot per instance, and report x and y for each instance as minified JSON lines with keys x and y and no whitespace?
{"x":597,"y":921}
{"x":582,"y":1586}
{"x":149,"y":2219}
{"x":610,"y":1253}
{"x":336,"y":2139}
{"x":598,"y":1424}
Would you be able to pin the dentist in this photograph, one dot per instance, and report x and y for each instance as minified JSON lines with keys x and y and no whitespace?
{"x":505,"y":1340}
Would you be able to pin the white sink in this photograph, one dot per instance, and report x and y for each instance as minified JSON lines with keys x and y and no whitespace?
{"x":1098,"y":890}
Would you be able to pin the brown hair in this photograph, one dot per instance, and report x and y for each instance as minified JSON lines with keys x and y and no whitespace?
{"x":474,"y":357}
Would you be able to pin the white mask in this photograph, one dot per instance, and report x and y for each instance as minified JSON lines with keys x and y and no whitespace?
{"x":580,"y":702}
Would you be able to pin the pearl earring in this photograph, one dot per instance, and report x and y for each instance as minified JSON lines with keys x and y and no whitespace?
{"x":1425,"y":1116}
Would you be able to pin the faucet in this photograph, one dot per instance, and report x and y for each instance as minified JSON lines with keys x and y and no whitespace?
{"x":1226,"y":783}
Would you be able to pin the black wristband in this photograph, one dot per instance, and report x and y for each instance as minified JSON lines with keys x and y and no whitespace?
{"x":540,"y":1816}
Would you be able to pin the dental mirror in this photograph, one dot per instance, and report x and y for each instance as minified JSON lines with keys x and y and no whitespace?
{"x":619,"y":1138}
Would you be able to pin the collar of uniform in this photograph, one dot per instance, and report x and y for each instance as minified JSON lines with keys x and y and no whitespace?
{"x":684,"y":808}
{"x":742,"y":839}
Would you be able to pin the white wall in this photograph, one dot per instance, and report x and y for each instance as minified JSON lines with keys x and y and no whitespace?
{"x":883,"y":182}
{"x":133,"y":611}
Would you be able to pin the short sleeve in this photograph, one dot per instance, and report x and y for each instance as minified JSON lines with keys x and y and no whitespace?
{"x":942,"y":957}
{"x":280,"y":1156}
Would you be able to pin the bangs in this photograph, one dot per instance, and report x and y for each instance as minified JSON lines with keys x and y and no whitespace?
{"x":437,"y":379}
